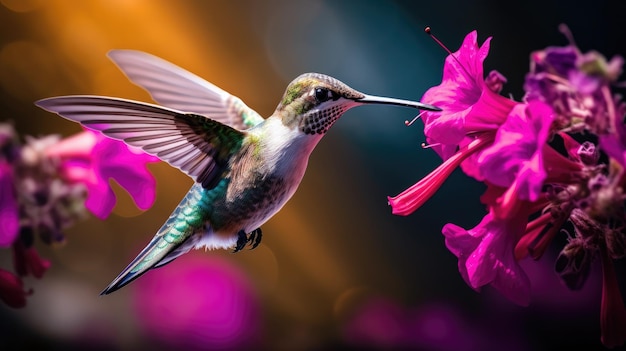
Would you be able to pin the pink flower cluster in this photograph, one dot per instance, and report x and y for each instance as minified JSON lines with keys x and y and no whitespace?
{"x":47,"y":183}
{"x":552,"y":162}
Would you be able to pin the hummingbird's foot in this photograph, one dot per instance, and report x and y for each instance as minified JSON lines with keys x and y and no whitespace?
{"x":255,"y":238}
{"x":242,"y":240}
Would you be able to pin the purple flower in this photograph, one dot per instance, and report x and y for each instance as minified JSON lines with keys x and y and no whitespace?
{"x":9,"y":211}
{"x":614,"y":142}
{"x":576,"y":86}
{"x":93,"y":159}
{"x":9,"y":220}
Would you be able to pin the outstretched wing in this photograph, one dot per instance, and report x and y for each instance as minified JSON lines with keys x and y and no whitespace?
{"x":172,"y":86}
{"x":198,"y":146}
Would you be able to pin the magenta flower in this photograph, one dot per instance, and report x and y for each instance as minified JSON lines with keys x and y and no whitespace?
{"x":93,"y":159}
{"x":43,"y":185}
{"x":516,"y":153}
{"x":533,"y":190}
{"x":471,"y":113}
{"x":468,"y":104}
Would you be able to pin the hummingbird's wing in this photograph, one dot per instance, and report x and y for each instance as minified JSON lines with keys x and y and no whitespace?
{"x":172,"y":86}
{"x":196,"y":145}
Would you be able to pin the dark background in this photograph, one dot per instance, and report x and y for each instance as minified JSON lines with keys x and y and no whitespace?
{"x":335,"y":247}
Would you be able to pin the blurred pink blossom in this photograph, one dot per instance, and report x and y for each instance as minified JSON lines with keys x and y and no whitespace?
{"x":200,"y":303}
{"x":92,"y":159}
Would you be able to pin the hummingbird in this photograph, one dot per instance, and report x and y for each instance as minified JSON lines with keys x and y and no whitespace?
{"x":244,"y":167}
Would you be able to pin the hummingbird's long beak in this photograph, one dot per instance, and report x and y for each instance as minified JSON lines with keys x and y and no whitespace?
{"x":371,"y":99}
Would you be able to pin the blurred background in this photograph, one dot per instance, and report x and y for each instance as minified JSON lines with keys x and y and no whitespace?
{"x":335,"y":269}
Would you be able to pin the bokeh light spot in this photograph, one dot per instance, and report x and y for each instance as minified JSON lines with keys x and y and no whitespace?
{"x":198,"y":302}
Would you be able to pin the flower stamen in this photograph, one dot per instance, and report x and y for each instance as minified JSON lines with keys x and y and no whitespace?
{"x":428,"y":146}
{"x":429,"y":32}
{"x":564,"y":29}
{"x":409,"y":123}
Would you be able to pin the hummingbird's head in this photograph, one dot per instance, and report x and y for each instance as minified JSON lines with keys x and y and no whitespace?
{"x":314,"y":101}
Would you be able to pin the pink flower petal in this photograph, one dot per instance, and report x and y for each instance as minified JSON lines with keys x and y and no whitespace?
{"x":76,"y":146}
{"x":486,"y":255}
{"x":517,"y":150}
{"x":94,"y":160}
{"x":100,"y":199}
{"x":467,"y":103}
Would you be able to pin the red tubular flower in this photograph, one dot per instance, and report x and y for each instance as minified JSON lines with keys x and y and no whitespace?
{"x":612,"y":311}
{"x":411,"y":199}
{"x":12,"y":290}
{"x":27,"y":261}
{"x":538,"y":236}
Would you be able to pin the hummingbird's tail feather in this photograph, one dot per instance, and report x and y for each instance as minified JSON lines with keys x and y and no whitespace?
{"x":175,"y":237}
{"x":156,"y":254}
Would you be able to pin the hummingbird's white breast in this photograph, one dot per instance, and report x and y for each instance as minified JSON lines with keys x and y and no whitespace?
{"x":264,"y":175}
{"x":285,"y":149}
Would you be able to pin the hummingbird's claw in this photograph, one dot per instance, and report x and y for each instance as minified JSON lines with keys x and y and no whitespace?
{"x":255,"y":238}
{"x":242,"y":240}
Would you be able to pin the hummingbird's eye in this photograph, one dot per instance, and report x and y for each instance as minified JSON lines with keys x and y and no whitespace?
{"x":322,"y":94}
